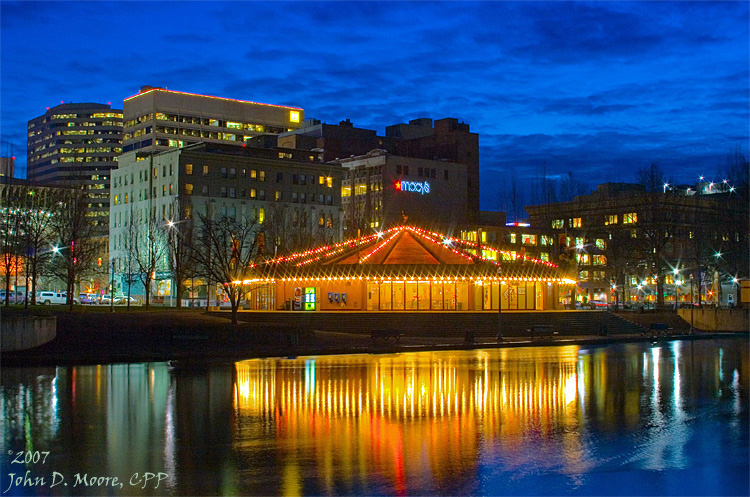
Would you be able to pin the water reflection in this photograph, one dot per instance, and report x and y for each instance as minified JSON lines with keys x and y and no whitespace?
{"x":511,"y":421}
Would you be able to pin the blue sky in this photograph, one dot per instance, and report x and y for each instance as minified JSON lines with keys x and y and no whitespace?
{"x":597,"y":88}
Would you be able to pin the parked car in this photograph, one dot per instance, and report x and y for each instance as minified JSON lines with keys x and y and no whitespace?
{"x":597,"y":305}
{"x":123,"y":300}
{"x":48,"y":298}
{"x":13,"y":297}
{"x":88,"y":298}
{"x":105,"y":299}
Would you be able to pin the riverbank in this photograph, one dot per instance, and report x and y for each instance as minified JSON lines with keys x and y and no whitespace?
{"x":95,"y":336}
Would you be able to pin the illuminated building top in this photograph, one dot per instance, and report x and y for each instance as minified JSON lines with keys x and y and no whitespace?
{"x":408,"y":251}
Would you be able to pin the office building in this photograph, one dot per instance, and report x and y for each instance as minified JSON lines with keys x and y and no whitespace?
{"x":158,"y":119}
{"x":77,"y":144}
{"x":293,"y":197}
{"x":447,"y":140}
{"x":626,"y":244}
{"x":380,"y":190}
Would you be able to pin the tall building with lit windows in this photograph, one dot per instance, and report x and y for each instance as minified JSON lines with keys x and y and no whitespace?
{"x":293,"y":197}
{"x":158,"y":119}
{"x":77,"y":144}
{"x":380,"y":190}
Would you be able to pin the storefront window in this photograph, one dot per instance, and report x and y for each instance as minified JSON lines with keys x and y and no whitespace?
{"x":449,"y":296}
{"x":385,"y":296}
{"x":437,"y":295}
{"x":398,"y":296}
{"x":462,"y":295}
{"x":412,"y":296}
{"x":424,"y":295}
{"x":373,"y":296}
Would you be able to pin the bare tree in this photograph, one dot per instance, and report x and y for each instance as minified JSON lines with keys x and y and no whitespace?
{"x":37,"y":234}
{"x":149,"y":249}
{"x":76,"y":250}
{"x":570,"y":187}
{"x":11,"y":234}
{"x":180,"y":242}
{"x":655,"y":225}
{"x":225,"y":249}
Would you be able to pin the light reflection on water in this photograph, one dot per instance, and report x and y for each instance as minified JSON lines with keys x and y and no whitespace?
{"x":669,"y":418}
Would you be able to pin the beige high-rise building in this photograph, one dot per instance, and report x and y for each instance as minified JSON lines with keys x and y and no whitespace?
{"x":158,"y":119}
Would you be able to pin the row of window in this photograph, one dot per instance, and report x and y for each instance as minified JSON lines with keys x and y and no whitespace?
{"x":610,"y":219}
{"x":260,"y":175}
{"x":422,"y":172}
{"x":203,"y":121}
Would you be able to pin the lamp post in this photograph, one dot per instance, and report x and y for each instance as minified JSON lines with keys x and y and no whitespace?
{"x":499,"y":303}
{"x":112,"y":288}
{"x":692,"y":305}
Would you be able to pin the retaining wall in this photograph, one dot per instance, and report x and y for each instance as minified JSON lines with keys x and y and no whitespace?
{"x":26,"y":332}
{"x":718,"y":319}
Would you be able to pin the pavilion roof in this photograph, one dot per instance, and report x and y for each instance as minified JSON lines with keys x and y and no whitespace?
{"x":406,"y":252}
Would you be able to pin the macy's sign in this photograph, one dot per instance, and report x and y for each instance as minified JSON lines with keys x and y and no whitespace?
{"x":413,"y":186}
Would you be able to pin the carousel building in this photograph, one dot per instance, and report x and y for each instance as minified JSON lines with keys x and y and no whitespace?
{"x":406,"y":268}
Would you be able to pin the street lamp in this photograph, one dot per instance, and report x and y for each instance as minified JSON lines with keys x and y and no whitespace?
{"x":499,"y":303}
{"x":112,"y":288}
{"x":692,"y":304}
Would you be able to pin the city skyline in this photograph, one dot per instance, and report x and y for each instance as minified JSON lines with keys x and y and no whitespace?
{"x":599,"y":89}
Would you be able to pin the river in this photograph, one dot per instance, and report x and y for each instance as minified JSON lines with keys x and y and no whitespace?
{"x":669,"y":418}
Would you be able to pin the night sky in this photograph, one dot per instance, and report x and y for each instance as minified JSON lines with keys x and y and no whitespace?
{"x":600,"y":89}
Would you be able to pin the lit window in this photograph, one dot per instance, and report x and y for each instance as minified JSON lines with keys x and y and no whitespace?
{"x":528,"y":239}
{"x":544,"y":256}
{"x":576,"y":222}
{"x":278,"y":196}
{"x":512,"y":237}
{"x":205,"y":170}
{"x":329,"y":182}
{"x":600,"y":244}
{"x":188,"y":188}
{"x":294,"y":116}
{"x":558,"y":223}
{"x":252,"y":193}
{"x":600,"y":260}
{"x":582,"y":259}
{"x":630,"y":218}
{"x":261,"y":215}
{"x":611,"y":219}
